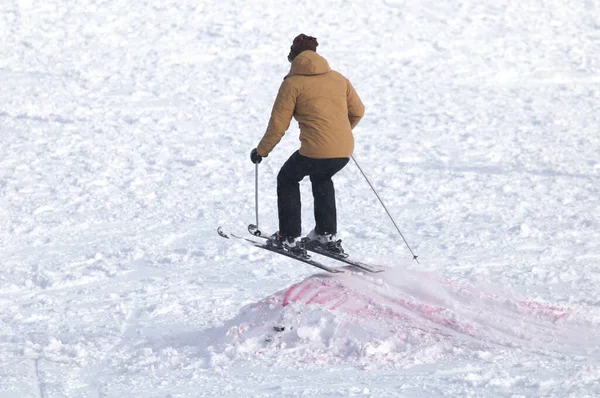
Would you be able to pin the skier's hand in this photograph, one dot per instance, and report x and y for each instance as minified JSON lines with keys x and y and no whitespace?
{"x":255,"y":157}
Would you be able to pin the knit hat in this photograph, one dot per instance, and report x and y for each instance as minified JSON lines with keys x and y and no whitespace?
{"x":301,"y":43}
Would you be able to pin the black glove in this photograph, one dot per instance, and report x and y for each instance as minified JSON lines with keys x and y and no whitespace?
{"x":255,"y":157}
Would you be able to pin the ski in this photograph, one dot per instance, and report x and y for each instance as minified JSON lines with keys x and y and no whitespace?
{"x":305,"y":259}
{"x":345,"y":258}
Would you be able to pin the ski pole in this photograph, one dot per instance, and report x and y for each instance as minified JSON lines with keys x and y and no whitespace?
{"x":257,"y":232}
{"x":386,"y":210}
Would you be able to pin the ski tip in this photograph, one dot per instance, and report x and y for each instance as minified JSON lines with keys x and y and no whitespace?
{"x":367,"y":269}
{"x":221,"y":233}
{"x":253,"y":229}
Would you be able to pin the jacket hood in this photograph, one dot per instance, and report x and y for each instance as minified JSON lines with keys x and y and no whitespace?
{"x":309,"y":63}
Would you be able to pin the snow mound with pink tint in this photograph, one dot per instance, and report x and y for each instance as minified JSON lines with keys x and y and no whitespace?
{"x":395,"y":317}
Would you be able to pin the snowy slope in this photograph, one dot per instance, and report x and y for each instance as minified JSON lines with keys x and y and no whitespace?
{"x":125,"y":132}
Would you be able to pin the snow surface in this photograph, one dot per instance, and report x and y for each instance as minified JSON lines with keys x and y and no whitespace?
{"x":125,"y":133}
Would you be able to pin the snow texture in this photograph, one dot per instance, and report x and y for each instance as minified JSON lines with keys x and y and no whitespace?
{"x":125,"y":133}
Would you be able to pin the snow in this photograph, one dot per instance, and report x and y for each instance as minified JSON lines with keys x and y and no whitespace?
{"x":125,"y":133}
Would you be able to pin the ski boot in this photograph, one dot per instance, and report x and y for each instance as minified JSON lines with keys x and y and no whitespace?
{"x":324,"y":242}
{"x":293,"y":246}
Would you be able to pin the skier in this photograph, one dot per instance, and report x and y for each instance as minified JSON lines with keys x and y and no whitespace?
{"x":327,"y":108}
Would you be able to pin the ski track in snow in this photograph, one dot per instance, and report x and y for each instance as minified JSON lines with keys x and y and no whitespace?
{"x":125,"y":132}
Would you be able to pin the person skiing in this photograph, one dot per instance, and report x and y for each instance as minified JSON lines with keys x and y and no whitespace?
{"x":327,"y":108}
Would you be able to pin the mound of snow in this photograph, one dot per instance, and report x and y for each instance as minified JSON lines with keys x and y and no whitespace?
{"x":395,"y":317}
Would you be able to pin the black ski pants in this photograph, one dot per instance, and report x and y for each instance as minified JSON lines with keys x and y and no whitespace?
{"x":288,"y":193}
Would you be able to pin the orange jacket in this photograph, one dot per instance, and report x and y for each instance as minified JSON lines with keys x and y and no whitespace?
{"x":323,"y":102}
